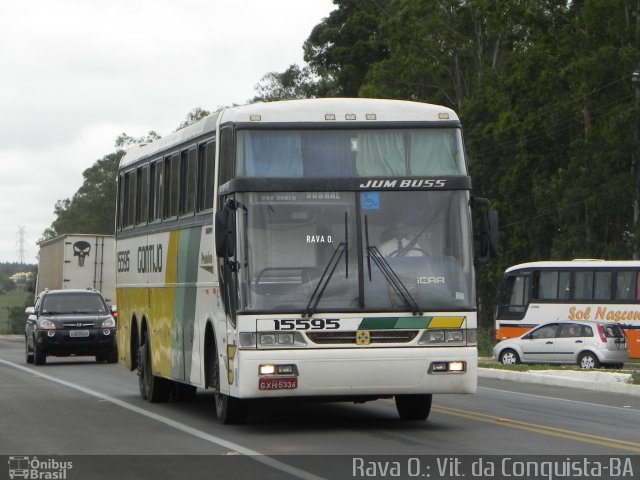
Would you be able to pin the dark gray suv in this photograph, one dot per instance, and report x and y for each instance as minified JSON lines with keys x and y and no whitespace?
{"x":70,"y":322}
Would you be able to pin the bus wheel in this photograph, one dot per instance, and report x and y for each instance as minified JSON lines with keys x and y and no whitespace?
{"x":588,"y":360}
{"x":152,"y":388}
{"x":413,"y":407}
{"x":509,"y":357}
{"x":229,"y":410}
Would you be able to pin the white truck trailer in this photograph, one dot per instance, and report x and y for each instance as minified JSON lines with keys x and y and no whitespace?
{"x":78,"y":261}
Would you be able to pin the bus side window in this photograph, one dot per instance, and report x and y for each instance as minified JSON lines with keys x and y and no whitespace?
{"x":625,"y":285}
{"x":547,"y":285}
{"x":516,"y":296}
{"x":583,"y":285}
{"x":603,"y":285}
{"x":564,"y":285}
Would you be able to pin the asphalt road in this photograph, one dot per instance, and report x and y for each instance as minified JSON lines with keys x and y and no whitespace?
{"x":73,"y":406}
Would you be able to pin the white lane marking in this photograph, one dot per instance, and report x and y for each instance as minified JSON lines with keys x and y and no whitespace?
{"x":625,"y":408}
{"x":257,"y":456}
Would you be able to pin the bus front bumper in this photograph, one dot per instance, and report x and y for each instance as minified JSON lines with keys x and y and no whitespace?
{"x":376,"y":372}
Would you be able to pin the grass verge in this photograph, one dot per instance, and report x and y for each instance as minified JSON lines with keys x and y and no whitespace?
{"x":635,"y":374}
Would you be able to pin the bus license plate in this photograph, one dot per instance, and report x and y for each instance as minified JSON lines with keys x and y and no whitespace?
{"x":79,"y":333}
{"x":277,"y":383}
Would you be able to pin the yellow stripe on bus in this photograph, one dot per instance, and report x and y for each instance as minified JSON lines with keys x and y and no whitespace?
{"x":446,"y":322}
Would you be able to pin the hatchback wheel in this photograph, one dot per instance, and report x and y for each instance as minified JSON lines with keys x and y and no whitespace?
{"x":588,"y":360}
{"x":509,"y":357}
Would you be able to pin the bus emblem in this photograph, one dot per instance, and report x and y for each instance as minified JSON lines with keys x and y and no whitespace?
{"x":363,"y":337}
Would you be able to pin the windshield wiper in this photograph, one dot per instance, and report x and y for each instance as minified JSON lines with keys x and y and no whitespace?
{"x":389,"y":274}
{"x":327,"y":273}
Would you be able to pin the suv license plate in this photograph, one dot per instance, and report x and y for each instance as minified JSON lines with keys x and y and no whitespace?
{"x":79,"y":333}
{"x":277,"y":383}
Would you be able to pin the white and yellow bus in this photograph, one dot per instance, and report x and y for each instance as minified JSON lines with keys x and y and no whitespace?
{"x":253,"y":259}
{"x":597,"y":290}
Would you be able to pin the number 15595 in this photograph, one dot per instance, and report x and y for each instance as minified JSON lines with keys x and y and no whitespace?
{"x":306,"y":324}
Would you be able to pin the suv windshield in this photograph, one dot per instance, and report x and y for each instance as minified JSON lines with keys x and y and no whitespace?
{"x":73,"y":303}
{"x":352,"y":251}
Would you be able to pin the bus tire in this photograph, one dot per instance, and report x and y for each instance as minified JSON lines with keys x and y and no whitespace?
{"x":588,"y":360}
{"x":152,"y":388}
{"x":229,"y":410}
{"x":414,"y":407}
{"x":509,"y":357}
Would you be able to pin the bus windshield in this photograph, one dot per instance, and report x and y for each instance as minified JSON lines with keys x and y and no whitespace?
{"x":354,"y":251}
{"x":349,"y":153}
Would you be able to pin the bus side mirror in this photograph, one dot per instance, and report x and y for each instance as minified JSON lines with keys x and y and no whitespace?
{"x":226,"y":230}
{"x":488,"y":231}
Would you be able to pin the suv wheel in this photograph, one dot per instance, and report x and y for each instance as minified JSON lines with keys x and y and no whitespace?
{"x":39,"y":357}
{"x":509,"y":357}
{"x":588,"y":360}
{"x":28,"y":353}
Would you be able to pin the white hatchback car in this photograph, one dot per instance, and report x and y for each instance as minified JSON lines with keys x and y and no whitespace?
{"x":589,"y":344}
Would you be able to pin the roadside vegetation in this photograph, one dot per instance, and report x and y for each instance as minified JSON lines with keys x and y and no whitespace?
{"x":632,"y":367}
{"x":15,"y":295}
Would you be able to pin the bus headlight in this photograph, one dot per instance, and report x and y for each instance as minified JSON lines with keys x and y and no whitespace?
{"x":443,"y":337}
{"x":271,"y":340}
{"x":472,"y":337}
{"x":455,"y":366}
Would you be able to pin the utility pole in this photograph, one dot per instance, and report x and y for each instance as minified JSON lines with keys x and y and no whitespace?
{"x":635,"y":167}
{"x":21,"y":242}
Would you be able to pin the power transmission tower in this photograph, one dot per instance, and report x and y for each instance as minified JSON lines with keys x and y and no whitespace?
{"x":21,"y":242}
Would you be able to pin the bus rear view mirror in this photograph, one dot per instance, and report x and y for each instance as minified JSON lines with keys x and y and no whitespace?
{"x":226,"y":231}
{"x":489,"y":245}
{"x":488,"y":231}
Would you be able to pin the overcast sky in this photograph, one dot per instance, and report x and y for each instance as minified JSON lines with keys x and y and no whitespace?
{"x":74,"y":74}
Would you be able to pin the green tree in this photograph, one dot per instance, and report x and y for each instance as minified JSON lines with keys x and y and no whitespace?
{"x":124,"y":141}
{"x":341,"y":49}
{"x":293,"y":83}
{"x":92,"y":208}
{"x":192,"y":117}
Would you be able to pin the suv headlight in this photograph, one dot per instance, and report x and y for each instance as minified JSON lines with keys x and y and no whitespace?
{"x":46,"y":324}
{"x":109,"y":323}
